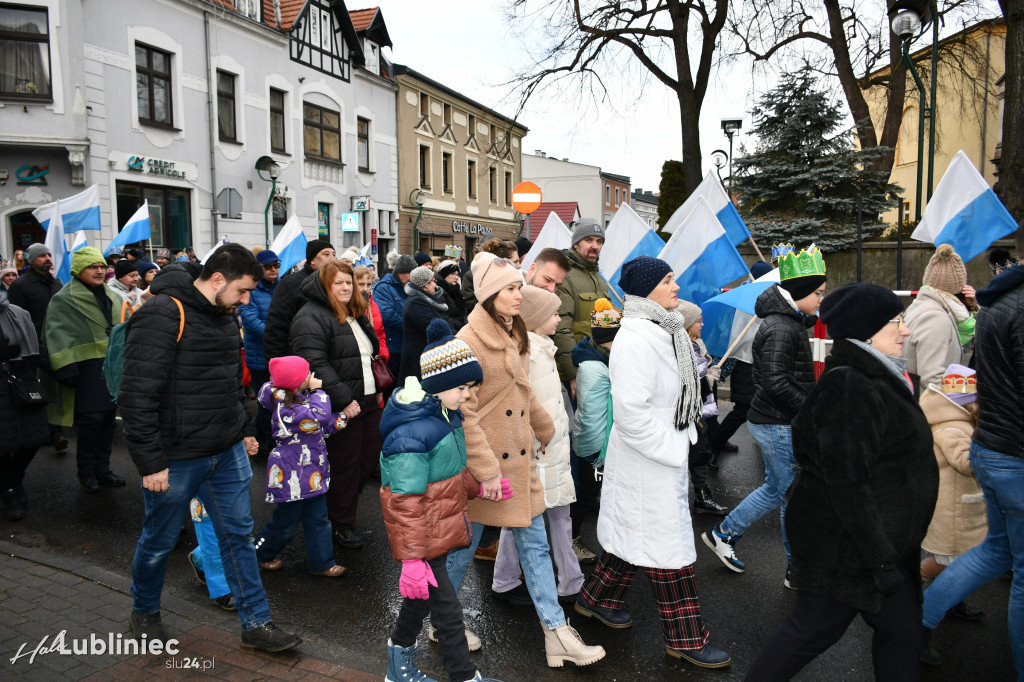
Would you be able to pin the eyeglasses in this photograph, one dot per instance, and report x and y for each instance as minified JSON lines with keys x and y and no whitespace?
{"x":500,"y":262}
{"x":272,"y":266}
{"x":899,"y":322}
{"x":819,"y":294}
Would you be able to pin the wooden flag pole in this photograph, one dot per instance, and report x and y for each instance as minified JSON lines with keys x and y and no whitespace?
{"x":150,"y":240}
{"x":737,"y":341}
{"x":754,"y":244}
{"x":611,"y":289}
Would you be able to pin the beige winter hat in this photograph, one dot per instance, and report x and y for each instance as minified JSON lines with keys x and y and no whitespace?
{"x":945,"y":271}
{"x":537,"y":307}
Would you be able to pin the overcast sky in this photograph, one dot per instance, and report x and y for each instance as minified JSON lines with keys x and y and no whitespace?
{"x":468,"y":46}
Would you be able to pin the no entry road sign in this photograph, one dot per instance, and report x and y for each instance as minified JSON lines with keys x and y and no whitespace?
{"x":526,"y":197}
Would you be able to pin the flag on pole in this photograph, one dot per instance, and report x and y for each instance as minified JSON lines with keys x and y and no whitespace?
{"x":554,"y":235}
{"x":58,"y":247}
{"x":290,"y":244}
{"x":222,"y":242}
{"x":726,"y":316}
{"x":964,"y":212}
{"x":79,"y":242}
{"x":702,"y":256}
{"x":78,"y":212}
{"x":626,"y":237}
{"x":136,"y":230}
{"x":711,"y":191}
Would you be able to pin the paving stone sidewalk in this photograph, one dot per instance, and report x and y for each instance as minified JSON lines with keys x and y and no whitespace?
{"x":43,"y":595}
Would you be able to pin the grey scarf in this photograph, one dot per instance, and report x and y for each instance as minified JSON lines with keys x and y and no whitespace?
{"x":16,"y":325}
{"x":896,"y":366}
{"x":413,"y":290}
{"x":688,"y":407}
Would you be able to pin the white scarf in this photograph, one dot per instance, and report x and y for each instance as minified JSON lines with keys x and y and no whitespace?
{"x":688,"y":407}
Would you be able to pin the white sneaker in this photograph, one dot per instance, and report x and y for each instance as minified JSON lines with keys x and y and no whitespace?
{"x":471,"y":639}
{"x":724,"y":547}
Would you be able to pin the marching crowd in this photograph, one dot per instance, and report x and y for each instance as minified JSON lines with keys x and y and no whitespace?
{"x":501,"y":406}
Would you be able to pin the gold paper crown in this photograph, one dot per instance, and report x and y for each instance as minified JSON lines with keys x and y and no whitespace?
{"x":807,"y":262}
{"x":958,"y":383}
{"x":605,"y":314}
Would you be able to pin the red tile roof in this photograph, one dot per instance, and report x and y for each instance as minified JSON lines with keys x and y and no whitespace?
{"x":362,"y":18}
{"x":225,"y":3}
{"x":289,"y":12}
{"x":567,"y":211}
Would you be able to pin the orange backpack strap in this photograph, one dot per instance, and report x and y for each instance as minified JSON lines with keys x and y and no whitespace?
{"x":181,"y":320}
{"x":125,"y":309}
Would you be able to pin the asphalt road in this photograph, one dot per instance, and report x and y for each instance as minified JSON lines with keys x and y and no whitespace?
{"x":349,"y":619}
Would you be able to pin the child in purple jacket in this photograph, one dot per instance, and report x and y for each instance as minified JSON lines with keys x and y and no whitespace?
{"x":298,"y":473}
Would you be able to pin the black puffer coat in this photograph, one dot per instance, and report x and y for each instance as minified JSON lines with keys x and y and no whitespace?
{"x":458,"y":311}
{"x":868,"y":481}
{"x":999,"y":357}
{"x":329,"y":346}
{"x":420,"y":310}
{"x":181,"y":399}
{"x":286,"y":301}
{"x":23,"y":428}
{"x":783,"y":363}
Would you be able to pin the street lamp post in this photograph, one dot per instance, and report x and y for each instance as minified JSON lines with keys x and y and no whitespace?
{"x":267,"y":165}
{"x":908,"y":18}
{"x":719,"y":158}
{"x":416,"y":197}
{"x":731,"y":126}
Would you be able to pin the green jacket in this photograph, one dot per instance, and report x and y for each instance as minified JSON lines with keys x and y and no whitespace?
{"x":582,"y":286}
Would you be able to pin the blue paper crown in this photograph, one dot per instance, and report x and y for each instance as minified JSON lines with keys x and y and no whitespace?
{"x":781,"y":250}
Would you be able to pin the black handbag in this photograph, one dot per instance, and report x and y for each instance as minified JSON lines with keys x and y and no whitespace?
{"x":28,"y":393}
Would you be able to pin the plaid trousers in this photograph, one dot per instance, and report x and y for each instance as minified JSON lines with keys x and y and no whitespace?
{"x":675,"y":590}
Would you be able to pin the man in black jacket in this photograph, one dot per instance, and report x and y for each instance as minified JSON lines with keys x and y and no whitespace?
{"x":32,"y":292}
{"x":997,"y":459}
{"x":783,"y":377}
{"x":188,"y":432}
{"x":288,"y":299}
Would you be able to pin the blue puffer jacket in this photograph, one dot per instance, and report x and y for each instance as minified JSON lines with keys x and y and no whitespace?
{"x":389,"y":294}
{"x":254,"y":319}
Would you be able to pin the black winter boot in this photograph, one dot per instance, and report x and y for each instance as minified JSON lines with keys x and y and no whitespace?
{"x":705,"y":503}
{"x":929,"y":656}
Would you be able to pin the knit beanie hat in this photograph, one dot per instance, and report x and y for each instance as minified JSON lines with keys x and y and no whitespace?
{"x":391,"y":258}
{"x":960,"y":384}
{"x":537,"y":307}
{"x":586,"y":227}
{"x":404,"y":265}
{"x":802,"y":287}
{"x":604,"y":321}
{"x":145,"y":267}
{"x":447,"y":362}
{"x":421,"y":258}
{"x":690,"y":312}
{"x":288,"y":371}
{"x":859,"y":311}
{"x":523,"y":246}
{"x":491,"y":274}
{"x":316,"y":246}
{"x":640,"y":275}
{"x":421,"y":276}
{"x":35,"y":251}
{"x":86,"y":256}
{"x":945,"y":271}
{"x":125,"y":267}
{"x":760,"y":268}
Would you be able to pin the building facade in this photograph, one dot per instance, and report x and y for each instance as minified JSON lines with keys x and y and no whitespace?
{"x":562,"y":180}
{"x":967,"y":109}
{"x":646,"y":206}
{"x":162,"y":101}
{"x":458,"y":163}
{"x":616,"y":193}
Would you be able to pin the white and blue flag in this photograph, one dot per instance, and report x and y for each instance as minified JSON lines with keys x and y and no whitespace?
{"x":701,"y":256}
{"x":79,"y":212}
{"x":58,"y":247}
{"x":964,"y":212}
{"x":726,"y":318}
{"x":136,"y":230}
{"x":711,"y":191}
{"x":290,"y":244}
{"x":554,"y":235}
{"x":79,"y":242}
{"x":626,"y":237}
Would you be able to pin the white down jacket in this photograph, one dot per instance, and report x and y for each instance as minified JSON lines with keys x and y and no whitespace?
{"x":553,"y":466}
{"x":645,"y":512}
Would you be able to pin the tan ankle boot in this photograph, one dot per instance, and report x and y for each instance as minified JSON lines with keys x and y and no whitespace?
{"x":565,"y":644}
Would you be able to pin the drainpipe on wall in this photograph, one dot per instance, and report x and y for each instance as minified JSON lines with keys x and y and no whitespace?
{"x":210,"y":85}
{"x":277,"y":13}
{"x":984,"y":108}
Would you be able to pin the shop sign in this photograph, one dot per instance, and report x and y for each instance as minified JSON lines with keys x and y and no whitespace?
{"x":30,"y":174}
{"x":360,"y":203}
{"x":470,"y":228}
{"x":141,"y":164}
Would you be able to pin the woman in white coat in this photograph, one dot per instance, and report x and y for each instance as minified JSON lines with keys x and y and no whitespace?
{"x":645,"y":514}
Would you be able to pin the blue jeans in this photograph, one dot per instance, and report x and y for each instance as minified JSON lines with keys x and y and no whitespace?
{"x":221,"y":482}
{"x":206,"y":556}
{"x":535,"y":558}
{"x":316,"y":528}
{"x":776,"y":443}
{"x":1002,"y":481}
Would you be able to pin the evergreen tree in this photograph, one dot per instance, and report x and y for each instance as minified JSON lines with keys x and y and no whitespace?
{"x":803,"y":182}
{"x":671,"y":191}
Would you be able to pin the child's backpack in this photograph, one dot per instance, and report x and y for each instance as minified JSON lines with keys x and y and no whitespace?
{"x":113,"y":359}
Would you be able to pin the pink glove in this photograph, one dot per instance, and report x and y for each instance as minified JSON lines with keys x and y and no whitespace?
{"x":506,"y":490}
{"x":416,"y":576}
